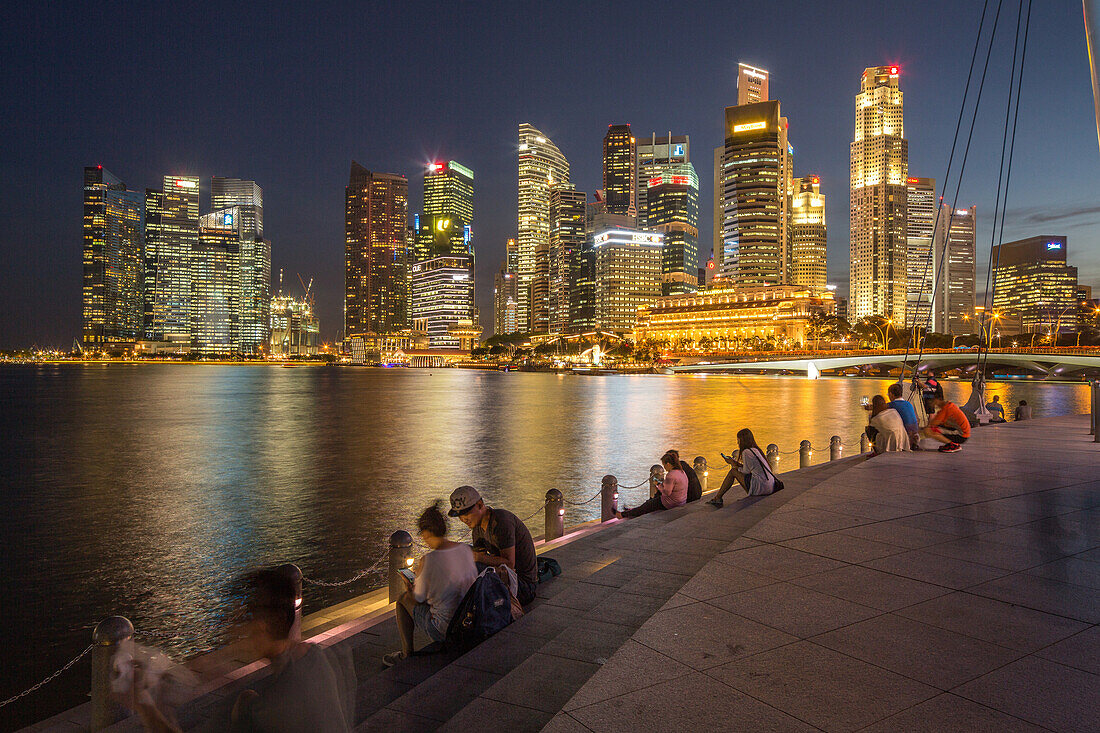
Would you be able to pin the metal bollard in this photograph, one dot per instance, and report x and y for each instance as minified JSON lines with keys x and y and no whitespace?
{"x":1092,"y":407}
{"x":656,"y":478}
{"x":836,"y":449}
{"x":864,"y":443}
{"x":1096,"y":411}
{"x":609,"y":497}
{"x":773,"y":457}
{"x":401,"y":558}
{"x":700,"y":466}
{"x":805,"y":453}
{"x":293,"y":572}
{"x":109,"y":635}
{"x":555,"y":515}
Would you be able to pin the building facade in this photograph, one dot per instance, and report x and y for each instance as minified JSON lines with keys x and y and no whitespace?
{"x":627,"y":275}
{"x":295,"y":329}
{"x":752,"y":84}
{"x":879,"y":156}
{"x":171,"y":235}
{"x":113,"y":245}
{"x":505,"y":301}
{"x":541,"y":166}
{"x":655,"y":155}
{"x":442,"y":291}
{"x":620,"y":170}
{"x":920,"y":221}
{"x":953,"y":305}
{"x":672,"y":201}
{"x":567,"y":239}
{"x":376,"y":211}
{"x":216,"y":285}
{"x":244,"y":200}
{"x":808,"y":235}
{"x":1032,"y":281}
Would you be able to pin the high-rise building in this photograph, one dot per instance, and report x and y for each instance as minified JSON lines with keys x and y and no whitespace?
{"x":582,"y":288}
{"x":627,"y":275}
{"x":620,"y":170}
{"x":247,"y":201}
{"x":953,"y":306}
{"x":114,"y":239}
{"x":216,"y":285}
{"x":449,"y":190}
{"x":171,"y":234}
{"x":752,"y":84}
{"x":1032,"y":282}
{"x":567,"y":237}
{"x":756,"y":173}
{"x":654,"y":155}
{"x":294,"y":326}
{"x":808,"y":235}
{"x":879,"y":171}
{"x":442,"y":291}
{"x":505,"y":300}
{"x":920,"y":218}
{"x":376,"y":211}
{"x":541,"y":166}
{"x":672,"y":196}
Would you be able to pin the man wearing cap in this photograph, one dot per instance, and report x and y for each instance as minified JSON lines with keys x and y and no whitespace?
{"x":499,"y":538}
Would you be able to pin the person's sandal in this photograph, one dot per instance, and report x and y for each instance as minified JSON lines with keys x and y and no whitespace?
{"x":715,"y":502}
{"x":392,"y":658}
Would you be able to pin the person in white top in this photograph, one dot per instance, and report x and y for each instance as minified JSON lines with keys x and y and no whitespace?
{"x":888,"y":432}
{"x":749,"y":468}
{"x":442,"y":578}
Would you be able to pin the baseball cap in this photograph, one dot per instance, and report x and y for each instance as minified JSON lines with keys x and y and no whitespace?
{"x":463,"y":498}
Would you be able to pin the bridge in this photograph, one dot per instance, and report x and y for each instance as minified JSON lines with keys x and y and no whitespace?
{"x":1043,"y":362}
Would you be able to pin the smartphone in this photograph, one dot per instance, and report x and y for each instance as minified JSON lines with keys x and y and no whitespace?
{"x":864,"y":401}
{"x":409,"y":576}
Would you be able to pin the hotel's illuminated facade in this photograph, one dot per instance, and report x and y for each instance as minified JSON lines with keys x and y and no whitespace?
{"x":171,"y":235}
{"x":1033,"y":282}
{"x":879,"y":170}
{"x":627,"y":276}
{"x":920,"y":220}
{"x":808,"y":234}
{"x":541,"y":166}
{"x":376,"y":210}
{"x":620,"y":170}
{"x":114,"y":238}
{"x":567,"y":240}
{"x":672,"y":208}
{"x":730,"y":317}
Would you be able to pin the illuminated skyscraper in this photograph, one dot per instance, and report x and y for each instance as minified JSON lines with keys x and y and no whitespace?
{"x":1034,"y":285}
{"x":953,"y":307}
{"x":879,"y":169}
{"x":216,"y":284}
{"x":627,"y":275}
{"x":541,"y":166}
{"x":171,"y":234}
{"x":920,"y":219}
{"x":655,"y":154}
{"x":808,"y":235}
{"x":114,"y":238}
{"x":567,"y":237}
{"x":620,"y":170}
{"x":505,"y":300}
{"x":752,"y":84}
{"x":672,"y":196}
{"x":247,"y":199}
{"x":376,"y":210}
{"x":756,"y":169}
{"x":442,"y":291}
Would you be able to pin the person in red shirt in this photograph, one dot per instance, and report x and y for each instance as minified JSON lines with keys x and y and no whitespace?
{"x":948,"y":426}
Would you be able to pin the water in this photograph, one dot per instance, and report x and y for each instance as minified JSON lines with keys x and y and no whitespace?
{"x":145,"y":490}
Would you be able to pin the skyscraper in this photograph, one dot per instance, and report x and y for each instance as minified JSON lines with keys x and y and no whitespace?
{"x":672,"y":196}
{"x":808,"y":234}
{"x":756,"y":172}
{"x":1033,"y":283}
{"x":954,"y":299}
{"x":627,"y":275}
{"x":114,"y":238}
{"x":620,"y":170}
{"x":376,"y":210}
{"x":171,"y":234}
{"x":449,"y":190}
{"x":505,"y":301}
{"x":752,"y":84}
{"x":879,"y":169}
{"x":247,"y":200}
{"x":567,"y":237}
{"x":920,"y":218}
{"x":216,"y":284}
{"x":541,"y":166}
{"x":654,"y":154}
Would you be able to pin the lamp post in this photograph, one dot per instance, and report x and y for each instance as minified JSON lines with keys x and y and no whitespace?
{"x":885,"y":337}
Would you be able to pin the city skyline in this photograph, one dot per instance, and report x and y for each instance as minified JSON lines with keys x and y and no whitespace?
{"x":302,"y":192}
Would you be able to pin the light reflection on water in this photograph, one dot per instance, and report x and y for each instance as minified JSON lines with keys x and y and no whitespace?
{"x":145,"y":490}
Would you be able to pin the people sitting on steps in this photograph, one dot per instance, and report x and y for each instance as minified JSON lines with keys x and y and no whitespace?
{"x":499,"y":539}
{"x":885,"y":428}
{"x":907,"y":412}
{"x":441,"y":579}
{"x":997,"y":409}
{"x":1023,"y":411}
{"x":671,"y":493}
{"x":949,"y":425}
{"x":749,"y":468}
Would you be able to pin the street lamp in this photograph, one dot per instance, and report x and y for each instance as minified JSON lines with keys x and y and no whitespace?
{"x":885,"y":338}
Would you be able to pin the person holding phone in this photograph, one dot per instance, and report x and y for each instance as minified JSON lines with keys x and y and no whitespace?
{"x":749,"y":468}
{"x":672,"y":492}
{"x":436,"y":585}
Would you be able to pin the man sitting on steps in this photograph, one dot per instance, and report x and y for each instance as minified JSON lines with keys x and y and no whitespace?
{"x":499,"y":538}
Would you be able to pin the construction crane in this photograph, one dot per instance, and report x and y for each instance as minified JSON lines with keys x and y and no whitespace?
{"x":308,"y":297}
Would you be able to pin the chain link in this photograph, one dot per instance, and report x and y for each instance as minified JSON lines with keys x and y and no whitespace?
{"x":49,"y":679}
{"x":358,"y":576}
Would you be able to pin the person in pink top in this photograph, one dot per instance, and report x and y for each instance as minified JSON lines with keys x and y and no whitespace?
{"x":670,"y":494}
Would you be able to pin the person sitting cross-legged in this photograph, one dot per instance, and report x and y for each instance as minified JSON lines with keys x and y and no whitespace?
{"x":499,"y":538}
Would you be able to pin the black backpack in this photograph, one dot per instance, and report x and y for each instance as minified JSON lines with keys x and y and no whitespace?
{"x":485,"y":609}
{"x":695,"y":489}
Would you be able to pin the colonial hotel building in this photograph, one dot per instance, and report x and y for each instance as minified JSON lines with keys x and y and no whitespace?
{"x":728,"y":317}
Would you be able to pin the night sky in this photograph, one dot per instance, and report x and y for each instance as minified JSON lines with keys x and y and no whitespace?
{"x":289,"y":94}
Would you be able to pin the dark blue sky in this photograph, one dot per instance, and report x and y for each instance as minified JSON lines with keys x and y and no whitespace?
{"x":289,"y":94}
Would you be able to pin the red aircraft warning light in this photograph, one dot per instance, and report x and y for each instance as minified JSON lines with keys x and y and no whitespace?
{"x":893,"y":71}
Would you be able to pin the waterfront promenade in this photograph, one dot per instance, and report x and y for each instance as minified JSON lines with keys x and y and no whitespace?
{"x":907,"y":592}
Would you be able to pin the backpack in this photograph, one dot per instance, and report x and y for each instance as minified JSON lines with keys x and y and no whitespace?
{"x":548,"y":568}
{"x":485,"y":609}
{"x":695,"y":489}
